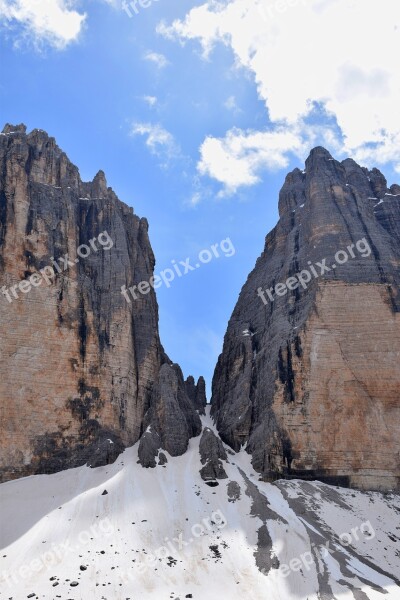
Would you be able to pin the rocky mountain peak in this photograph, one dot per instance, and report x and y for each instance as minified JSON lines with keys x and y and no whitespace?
{"x":8,"y":128}
{"x":73,"y":348}
{"x":319,"y":153}
{"x":99,"y":185}
{"x":313,"y":343}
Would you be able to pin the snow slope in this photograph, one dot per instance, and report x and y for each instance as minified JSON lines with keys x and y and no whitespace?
{"x":164,"y":534}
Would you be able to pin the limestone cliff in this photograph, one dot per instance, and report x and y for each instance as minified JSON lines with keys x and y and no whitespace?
{"x":309,"y":376}
{"x":78,"y":363}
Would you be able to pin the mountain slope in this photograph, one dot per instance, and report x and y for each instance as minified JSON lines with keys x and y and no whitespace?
{"x":164,"y":533}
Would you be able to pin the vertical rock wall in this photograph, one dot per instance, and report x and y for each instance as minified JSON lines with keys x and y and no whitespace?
{"x":77,"y":361}
{"x":310,"y":380}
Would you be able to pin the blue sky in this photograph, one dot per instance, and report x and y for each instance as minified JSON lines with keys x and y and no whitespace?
{"x":196,"y":112}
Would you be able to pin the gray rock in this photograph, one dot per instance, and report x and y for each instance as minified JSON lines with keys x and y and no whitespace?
{"x":162,"y":459}
{"x":233,"y":491}
{"x":171,"y":414}
{"x":212,"y":453}
{"x":197,"y":393}
{"x":149,"y":447}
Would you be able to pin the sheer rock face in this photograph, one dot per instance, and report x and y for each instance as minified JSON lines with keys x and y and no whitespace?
{"x":310,"y":381}
{"x":78,"y":362}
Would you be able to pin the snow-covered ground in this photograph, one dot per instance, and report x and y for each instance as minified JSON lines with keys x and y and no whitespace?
{"x":164,"y":534}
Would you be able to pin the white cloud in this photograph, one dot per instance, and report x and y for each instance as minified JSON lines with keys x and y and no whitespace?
{"x":237,"y":159}
{"x":54,"y":22}
{"x":150,"y":100}
{"x":158,"y":59}
{"x":231,"y":104}
{"x":158,"y":140}
{"x":195,"y":199}
{"x":341,"y":55}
